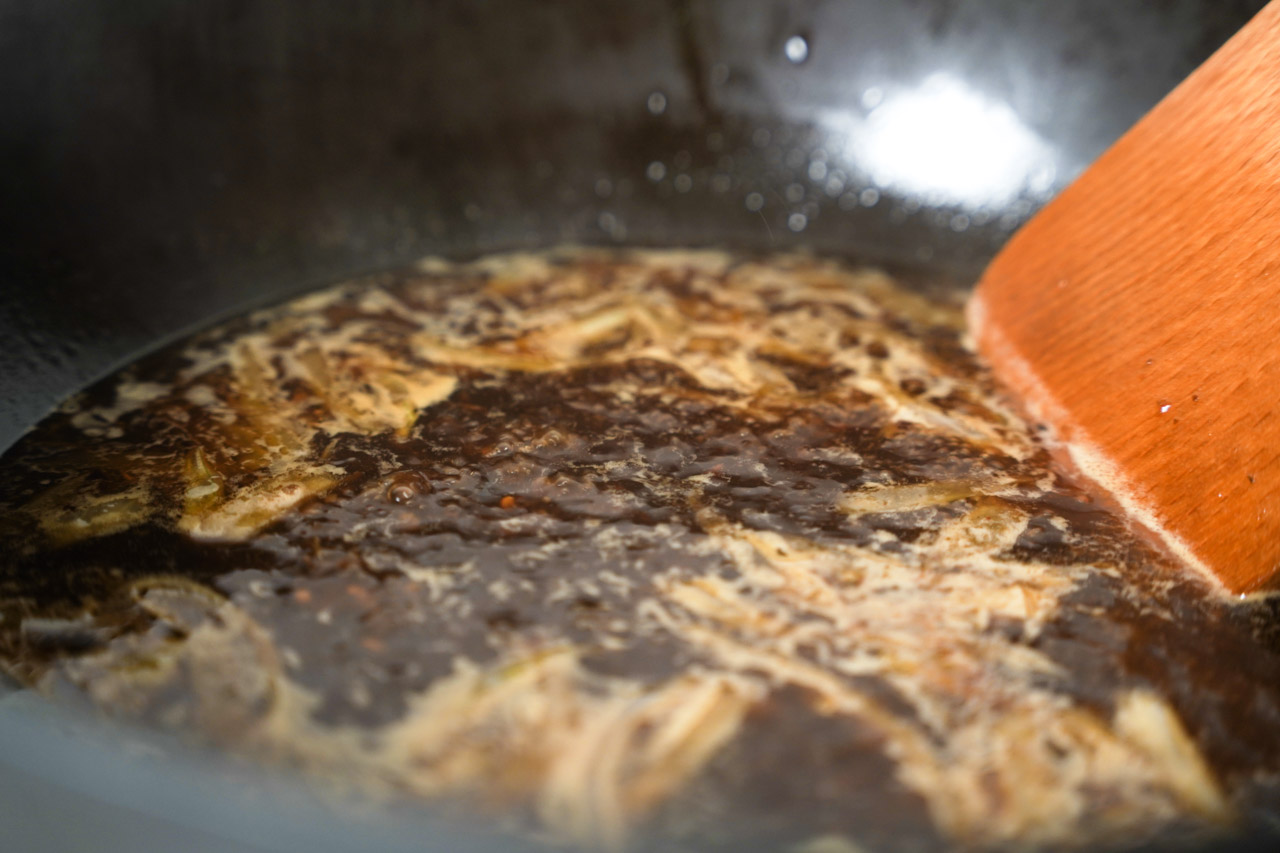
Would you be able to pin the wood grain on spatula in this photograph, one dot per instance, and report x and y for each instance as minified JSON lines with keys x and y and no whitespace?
{"x":1138,"y":315}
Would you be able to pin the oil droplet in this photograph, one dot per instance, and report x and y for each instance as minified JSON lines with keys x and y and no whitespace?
{"x":656,"y":171}
{"x":797,"y":222}
{"x":796,"y":49}
{"x":657,"y":103}
{"x":755,"y":201}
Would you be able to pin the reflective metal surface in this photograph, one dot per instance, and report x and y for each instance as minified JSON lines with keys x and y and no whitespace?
{"x":168,"y":163}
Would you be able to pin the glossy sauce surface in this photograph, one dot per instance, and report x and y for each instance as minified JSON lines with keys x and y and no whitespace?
{"x":652,"y":548}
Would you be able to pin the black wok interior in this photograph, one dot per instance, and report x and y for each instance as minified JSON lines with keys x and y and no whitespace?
{"x":167,"y":164}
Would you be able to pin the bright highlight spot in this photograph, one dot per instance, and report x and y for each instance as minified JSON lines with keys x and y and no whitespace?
{"x":946,"y":143}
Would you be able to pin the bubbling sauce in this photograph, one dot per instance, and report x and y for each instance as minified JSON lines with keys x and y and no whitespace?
{"x":636,"y":549}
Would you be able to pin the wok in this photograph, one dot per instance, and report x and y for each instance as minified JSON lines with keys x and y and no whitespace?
{"x":167,"y":165}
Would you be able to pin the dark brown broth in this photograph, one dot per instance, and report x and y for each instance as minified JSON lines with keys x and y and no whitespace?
{"x":521,"y":488}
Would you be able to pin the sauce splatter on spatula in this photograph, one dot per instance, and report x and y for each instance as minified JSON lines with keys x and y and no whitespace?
{"x":1138,"y":315}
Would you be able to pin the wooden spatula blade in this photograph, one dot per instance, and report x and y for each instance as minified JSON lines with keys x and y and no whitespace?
{"x":1138,"y":315}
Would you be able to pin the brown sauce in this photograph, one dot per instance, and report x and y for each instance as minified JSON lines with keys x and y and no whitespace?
{"x":642,"y":549}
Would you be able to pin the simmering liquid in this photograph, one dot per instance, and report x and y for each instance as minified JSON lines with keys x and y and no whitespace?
{"x":647,"y":548}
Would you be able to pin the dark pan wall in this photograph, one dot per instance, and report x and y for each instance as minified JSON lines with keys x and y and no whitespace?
{"x":167,"y":163}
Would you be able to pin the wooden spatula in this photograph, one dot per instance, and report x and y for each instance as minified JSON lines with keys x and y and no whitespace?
{"x":1138,"y":315}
